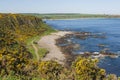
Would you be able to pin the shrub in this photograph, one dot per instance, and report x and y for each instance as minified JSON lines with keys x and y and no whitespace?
{"x":86,"y":69}
{"x":50,"y":69}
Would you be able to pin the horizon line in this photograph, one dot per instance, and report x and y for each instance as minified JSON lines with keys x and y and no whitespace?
{"x":56,"y":13}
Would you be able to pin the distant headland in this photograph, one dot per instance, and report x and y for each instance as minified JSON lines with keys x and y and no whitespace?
{"x":70,"y":15}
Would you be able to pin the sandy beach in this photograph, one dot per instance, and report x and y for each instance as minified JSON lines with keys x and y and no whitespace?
{"x":49,"y":43}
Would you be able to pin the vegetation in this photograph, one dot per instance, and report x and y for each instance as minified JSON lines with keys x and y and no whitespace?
{"x":87,"y":69}
{"x":17,"y":56}
{"x":15,"y":30}
{"x":32,"y":42}
{"x":71,"y":16}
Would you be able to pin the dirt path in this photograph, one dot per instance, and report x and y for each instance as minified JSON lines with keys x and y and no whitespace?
{"x":36,"y":50}
{"x":49,"y":43}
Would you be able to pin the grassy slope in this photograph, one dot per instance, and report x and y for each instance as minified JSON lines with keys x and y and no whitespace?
{"x":22,"y":29}
{"x":26,"y":28}
{"x":16,"y":33}
{"x":41,"y":51}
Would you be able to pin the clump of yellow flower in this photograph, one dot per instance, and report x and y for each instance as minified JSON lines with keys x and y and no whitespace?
{"x":50,"y":68}
{"x":86,"y":68}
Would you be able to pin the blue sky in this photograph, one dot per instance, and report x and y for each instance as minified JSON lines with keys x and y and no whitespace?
{"x":60,"y":6}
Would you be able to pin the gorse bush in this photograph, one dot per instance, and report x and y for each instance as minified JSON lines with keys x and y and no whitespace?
{"x":13,"y":55}
{"x":16,"y":60}
{"x":23,"y":26}
{"x":86,"y":69}
{"x":14,"y":30}
{"x":50,"y":69}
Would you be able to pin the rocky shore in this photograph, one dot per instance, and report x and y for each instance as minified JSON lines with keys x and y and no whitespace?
{"x":62,"y":49}
{"x":68,"y":47}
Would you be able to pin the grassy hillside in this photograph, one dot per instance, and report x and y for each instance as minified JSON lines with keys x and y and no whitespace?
{"x":71,"y":16}
{"x":15,"y":30}
{"x":17,"y":34}
{"x":22,"y":26}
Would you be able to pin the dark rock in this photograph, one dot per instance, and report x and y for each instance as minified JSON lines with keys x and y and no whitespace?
{"x":35,"y":42}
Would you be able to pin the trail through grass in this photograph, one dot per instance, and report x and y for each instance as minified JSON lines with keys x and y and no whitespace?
{"x":34,"y":48}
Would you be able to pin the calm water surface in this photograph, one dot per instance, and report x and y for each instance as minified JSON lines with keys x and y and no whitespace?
{"x":110,"y":28}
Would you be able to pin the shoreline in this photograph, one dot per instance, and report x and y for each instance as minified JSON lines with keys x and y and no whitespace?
{"x":65,"y":54}
{"x":84,"y":18}
{"x":49,"y":42}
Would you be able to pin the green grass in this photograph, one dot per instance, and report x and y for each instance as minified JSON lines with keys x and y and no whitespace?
{"x":42,"y":51}
{"x":72,"y":15}
{"x":29,"y":45}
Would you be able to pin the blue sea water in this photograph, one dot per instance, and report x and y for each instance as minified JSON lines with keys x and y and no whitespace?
{"x":109,"y":27}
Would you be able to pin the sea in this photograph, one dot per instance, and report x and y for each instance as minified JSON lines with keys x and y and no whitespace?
{"x":108,"y":27}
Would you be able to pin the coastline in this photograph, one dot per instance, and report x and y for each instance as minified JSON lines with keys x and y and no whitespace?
{"x":65,"y":55}
{"x":84,"y":18}
{"x":49,"y":42}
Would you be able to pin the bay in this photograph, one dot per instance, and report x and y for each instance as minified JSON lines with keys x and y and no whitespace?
{"x":108,"y":27}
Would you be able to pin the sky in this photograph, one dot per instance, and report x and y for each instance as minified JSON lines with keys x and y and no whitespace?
{"x":60,"y":6}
